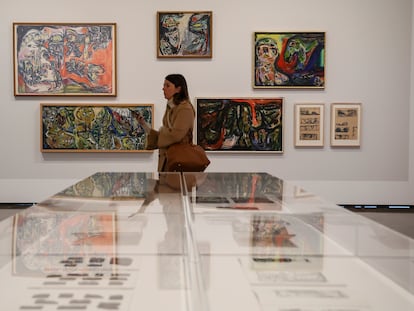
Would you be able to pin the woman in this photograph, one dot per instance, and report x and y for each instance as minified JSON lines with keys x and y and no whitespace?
{"x":177,"y":122}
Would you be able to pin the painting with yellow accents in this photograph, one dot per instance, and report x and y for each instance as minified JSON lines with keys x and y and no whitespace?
{"x":93,"y":127}
{"x":289,"y":60}
{"x":64,"y":59}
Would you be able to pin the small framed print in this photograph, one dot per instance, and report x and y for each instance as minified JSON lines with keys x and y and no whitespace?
{"x":184,"y":34}
{"x":346,"y":124}
{"x":309,"y":125}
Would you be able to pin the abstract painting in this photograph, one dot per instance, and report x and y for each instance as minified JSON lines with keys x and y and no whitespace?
{"x":289,"y":60}
{"x":57,"y":240}
{"x":93,"y":127}
{"x":64,"y":59}
{"x":184,"y":34}
{"x":240,"y":124}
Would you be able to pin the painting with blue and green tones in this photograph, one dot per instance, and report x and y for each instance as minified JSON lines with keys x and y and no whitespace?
{"x":94,"y":128}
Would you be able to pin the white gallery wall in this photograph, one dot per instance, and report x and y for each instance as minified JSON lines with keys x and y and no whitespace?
{"x":369,"y":60}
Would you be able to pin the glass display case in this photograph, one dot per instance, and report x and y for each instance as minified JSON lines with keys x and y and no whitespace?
{"x":200,"y":241}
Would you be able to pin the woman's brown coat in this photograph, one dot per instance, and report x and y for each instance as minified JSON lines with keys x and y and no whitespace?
{"x":177,"y":123}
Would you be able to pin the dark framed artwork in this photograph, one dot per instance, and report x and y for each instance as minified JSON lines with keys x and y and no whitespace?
{"x":93,"y":127}
{"x":64,"y":59}
{"x":289,"y":60}
{"x":346,"y":125}
{"x":184,"y":34}
{"x":240,"y":124}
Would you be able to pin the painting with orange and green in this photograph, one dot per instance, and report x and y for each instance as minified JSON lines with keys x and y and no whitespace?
{"x":64,"y":59}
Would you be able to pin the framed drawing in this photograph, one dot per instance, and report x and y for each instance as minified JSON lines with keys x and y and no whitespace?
{"x":346,"y":124}
{"x":93,"y":127}
{"x":64,"y":59}
{"x":240,"y":124}
{"x":184,"y":34}
{"x":309,"y":125}
{"x":289,"y":60}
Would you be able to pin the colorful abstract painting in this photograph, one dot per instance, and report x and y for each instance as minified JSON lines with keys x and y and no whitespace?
{"x":96,"y":128}
{"x":60,"y":241}
{"x":184,"y":34}
{"x":240,"y":124}
{"x":289,"y":60}
{"x":64,"y":59}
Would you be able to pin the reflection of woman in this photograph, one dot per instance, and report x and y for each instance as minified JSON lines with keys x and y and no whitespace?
{"x":178,"y":121}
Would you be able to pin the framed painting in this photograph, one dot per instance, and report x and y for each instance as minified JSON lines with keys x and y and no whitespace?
{"x":289,"y":60}
{"x":64,"y":59}
{"x":309,"y":125}
{"x":93,"y":127}
{"x":346,"y":124}
{"x":240,"y":124}
{"x":184,"y":34}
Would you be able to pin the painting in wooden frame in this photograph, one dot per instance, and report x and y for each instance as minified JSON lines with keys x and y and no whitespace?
{"x":346,"y":124}
{"x":64,"y":59}
{"x":289,"y":60}
{"x":93,"y":127}
{"x":240,"y":124}
{"x":185,"y":34}
{"x":309,"y":125}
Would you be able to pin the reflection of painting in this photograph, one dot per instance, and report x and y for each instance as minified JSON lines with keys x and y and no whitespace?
{"x":184,"y":34}
{"x":64,"y":59}
{"x":113,"y":185}
{"x":41,"y":240}
{"x":345,"y":124}
{"x":238,"y":191}
{"x":240,"y":124}
{"x":286,"y":60}
{"x":96,"y":128}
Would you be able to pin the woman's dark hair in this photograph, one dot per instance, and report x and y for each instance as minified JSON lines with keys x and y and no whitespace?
{"x":178,"y":80}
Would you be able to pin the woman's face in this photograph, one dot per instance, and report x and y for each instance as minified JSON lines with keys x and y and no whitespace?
{"x":170,"y":89}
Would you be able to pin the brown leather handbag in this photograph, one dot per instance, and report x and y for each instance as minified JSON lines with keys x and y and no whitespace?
{"x":186,"y":157}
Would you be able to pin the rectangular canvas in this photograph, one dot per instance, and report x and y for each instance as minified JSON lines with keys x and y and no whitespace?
{"x":240,"y":124}
{"x":93,"y":127}
{"x":289,"y":60}
{"x":184,"y":34}
{"x":346,"y":124}
{"x":309,"y":125}
{"x":64,"y":59}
